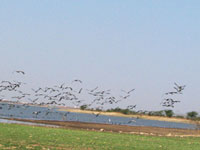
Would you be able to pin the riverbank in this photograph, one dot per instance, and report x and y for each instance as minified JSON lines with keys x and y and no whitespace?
{"x":158,"y":118}
{"x":141,"y":116}
{"x":140,"y":130}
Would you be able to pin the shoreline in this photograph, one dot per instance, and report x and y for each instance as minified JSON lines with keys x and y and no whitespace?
{"x":117,"y":114}
{"x":138,"y":130}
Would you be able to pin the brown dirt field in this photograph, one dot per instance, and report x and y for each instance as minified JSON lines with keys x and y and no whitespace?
{"x":154,"y":131}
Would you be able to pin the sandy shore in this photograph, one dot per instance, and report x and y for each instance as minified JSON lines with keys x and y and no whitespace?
{"x":172,"y":119}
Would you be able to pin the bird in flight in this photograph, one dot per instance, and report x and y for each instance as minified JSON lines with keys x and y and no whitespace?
{"x":96,"y":114}
{"x":131,"y":106}
{"x":179,"y":88}
{"x":125,"y":97}
{"x":77,"y":81}
{"x":93,"y":89}
{"x":128,"y":91}
{"x":80,"y":90}
{"x":19,"y":71}
{"x":171,"y":93}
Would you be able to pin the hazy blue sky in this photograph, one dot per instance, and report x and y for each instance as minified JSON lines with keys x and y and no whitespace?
{"x":143,"y":44}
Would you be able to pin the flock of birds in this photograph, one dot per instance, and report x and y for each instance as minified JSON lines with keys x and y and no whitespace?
{"x":169,"y":101}
{"x":61,"y":95}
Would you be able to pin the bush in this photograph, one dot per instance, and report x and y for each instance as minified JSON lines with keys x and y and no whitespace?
{"x":156,"y":113}
{"x":192,"y":115}
{"x":83,"y":107}
{"x":125,"y":111}
{"x":179,"y":116}
{"x":98,"y":109}
{"x":120,"y":110}
{"x":169,"y":113}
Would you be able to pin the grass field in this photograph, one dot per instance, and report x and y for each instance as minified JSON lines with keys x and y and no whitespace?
{"x":22,"y":137}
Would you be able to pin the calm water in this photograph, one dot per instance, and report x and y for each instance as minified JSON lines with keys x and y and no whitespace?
{"x":26,"y":123}
{"x":30,"y":112}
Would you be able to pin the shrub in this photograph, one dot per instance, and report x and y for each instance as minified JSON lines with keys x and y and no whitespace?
{"x":192,"y":115}
{"x":169,"y":113}
{"x":98,"y":109}
{"x":156,"y":113}
{"x":179,"y":116}
{"x":83,"y":107}
{"x":125,"y":111}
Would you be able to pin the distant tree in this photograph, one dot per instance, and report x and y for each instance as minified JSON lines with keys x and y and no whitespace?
{"x":83,"y":107}
{"x":169,"y":113}
{"x":117,"y":109}
{"x":156,"y":113}
{"x":125,"y":111}
{"x":179,"y":116}
{"x":192,"y":115}
{"x":98,"y":109}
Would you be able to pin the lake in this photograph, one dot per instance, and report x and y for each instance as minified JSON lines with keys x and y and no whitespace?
{"x":45,"y":113}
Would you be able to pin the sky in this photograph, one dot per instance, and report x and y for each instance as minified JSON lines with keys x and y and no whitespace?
{"x":145,"y":44}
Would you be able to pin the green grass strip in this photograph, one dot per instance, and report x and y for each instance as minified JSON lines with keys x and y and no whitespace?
{"x":22,"y":137}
